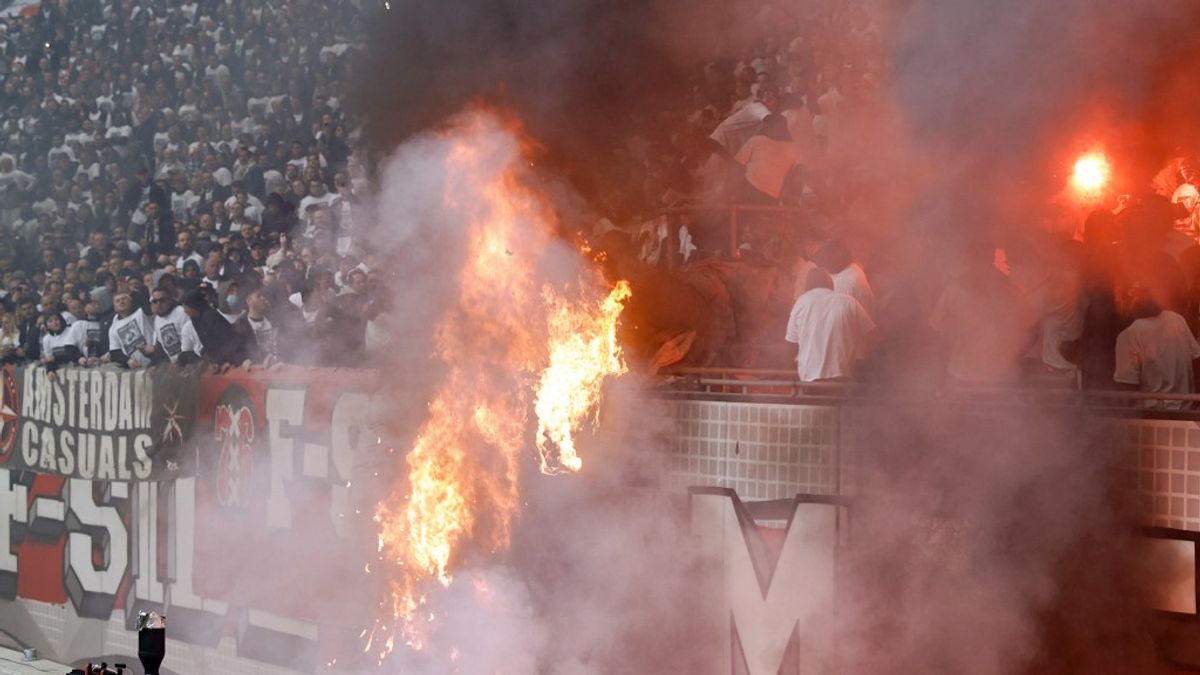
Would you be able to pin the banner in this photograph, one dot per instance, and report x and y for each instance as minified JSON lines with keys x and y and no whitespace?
{"x":281,"y":453}
{"x":98,"y":423}
{"x":233,"y":494}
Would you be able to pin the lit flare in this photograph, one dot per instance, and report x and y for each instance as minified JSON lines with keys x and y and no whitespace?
{"x":1091,"y":173}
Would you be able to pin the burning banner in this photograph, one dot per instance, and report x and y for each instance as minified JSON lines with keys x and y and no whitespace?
{"x":518,"y":335}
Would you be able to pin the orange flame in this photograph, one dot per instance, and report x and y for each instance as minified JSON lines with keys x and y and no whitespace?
{"x":500,"y":338}
{"x":583,"y":352}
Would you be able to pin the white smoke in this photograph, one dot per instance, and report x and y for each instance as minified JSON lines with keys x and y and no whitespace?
{"x":600,"y":576}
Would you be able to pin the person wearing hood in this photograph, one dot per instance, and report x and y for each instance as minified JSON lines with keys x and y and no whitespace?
{"x":218,"y":340}
{"x":129,"y":332}
{"x":279,"y":216}
{"x":768,"y":157}
{"x":60,"y":346}
{"x":93,"y":329}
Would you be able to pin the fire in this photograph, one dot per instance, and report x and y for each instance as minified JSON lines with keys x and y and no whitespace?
{"x":583,"y":352}
{"x":1091,"y":173}
{"x":509,"y":339}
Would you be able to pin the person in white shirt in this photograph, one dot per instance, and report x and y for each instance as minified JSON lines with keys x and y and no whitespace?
{"x":980,"y":315}
{"x":60,"y":149}
{"x":769,"y":157}
{"x":129,"y":332}
{"x":829,"y":328}
{"x":60,"y":346}
{"x":734,"y":130}
{"x":13,"y":181}
{"x":848,"y":276}
{"x":214,"y":270}
{"x":169,"y":165}
{"x":1156,"y":352}
{"x":174,"y":338}
{"x":183,"y":244}
{"x":317,"y":196}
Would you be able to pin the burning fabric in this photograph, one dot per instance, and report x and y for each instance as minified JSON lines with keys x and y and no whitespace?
{"x":531,"y":328}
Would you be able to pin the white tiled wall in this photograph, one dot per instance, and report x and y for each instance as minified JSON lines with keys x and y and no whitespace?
{"x":763,"y":451}
{"x":775,"y":451}
{"x":1162,"y":471}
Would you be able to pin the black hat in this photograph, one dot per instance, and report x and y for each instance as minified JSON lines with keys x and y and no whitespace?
{"x":195,"y":299}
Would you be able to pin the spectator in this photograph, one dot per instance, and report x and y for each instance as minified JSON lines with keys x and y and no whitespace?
{"x":1156,"y":352}
{"x":830,"y":330}
{"x":129,"y":333}
{"x":848,"y":276}
{"x":174,"y":338}
{"x":768,"y":157}
{"x":59,"y":345}
{"x":218,"y":342}
{"x":185,"y":252}
{"x":30,"y":331}
{"x":979,"y":315}
{"x":258,"y":325}
{"x":735,"y":130}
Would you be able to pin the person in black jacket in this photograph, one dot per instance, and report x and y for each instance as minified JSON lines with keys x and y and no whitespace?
{"x":221,"y":344}
{"x":31,"y":333}
{"x":159,"y":233}
{"x":143,"y":192}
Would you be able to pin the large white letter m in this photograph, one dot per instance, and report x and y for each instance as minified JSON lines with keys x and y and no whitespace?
{"x":778,"y":596}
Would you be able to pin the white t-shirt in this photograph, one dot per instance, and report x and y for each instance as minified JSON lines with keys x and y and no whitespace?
{"x":66,"y":338}
{"x":852,"y":281}
{"x":325,"y":199}
{"x":184,"y":205}
{"x":176,"y":334}
{"x":768,"y":162}
{"x":265,"y":335}
{"x":734,"y":130}
{"x":88,"y":334}
{"x":1060,"y":307}
{"x":981,"y":318}
{"x":1156,"y":354}
{"x":193,"y":256}
{"x":830,"y":329}
{"x":130,"y":333}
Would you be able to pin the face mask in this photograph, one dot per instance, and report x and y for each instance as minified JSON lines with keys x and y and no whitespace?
{"x":232,"y":301}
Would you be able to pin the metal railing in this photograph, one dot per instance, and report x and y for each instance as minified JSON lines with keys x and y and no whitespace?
{"x":735,"y":213}
{"x":777,"y":385}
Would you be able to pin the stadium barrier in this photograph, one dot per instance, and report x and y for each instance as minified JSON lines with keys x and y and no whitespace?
{"x":212,"y":497}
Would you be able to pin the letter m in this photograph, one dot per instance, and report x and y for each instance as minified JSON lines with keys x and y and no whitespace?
{"x":775,"y":598}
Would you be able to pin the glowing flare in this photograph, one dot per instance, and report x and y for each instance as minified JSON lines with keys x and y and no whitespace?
{"x":1091,"y":173}
{"x":499,"y":337}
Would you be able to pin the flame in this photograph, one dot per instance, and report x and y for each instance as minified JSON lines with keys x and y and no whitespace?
{"x":1091,"y":173}
{"x":506,"y":332}
{"x":583,"y":352}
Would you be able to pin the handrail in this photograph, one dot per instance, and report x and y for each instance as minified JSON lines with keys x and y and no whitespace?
{"x":777,"y":383}
{"x":734,"y":210}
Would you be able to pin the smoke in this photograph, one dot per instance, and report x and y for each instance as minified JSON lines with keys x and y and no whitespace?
{"x":1000,"y":97}
{"x":584,"y":76}
{"x":601,"y":578}
{"x":598,"y":571}
{"x":992,"y":539}
{"x":984,"y":543}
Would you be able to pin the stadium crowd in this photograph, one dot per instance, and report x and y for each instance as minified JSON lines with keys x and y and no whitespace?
{"x":795,"y":121}
{"x":177,"y":183}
